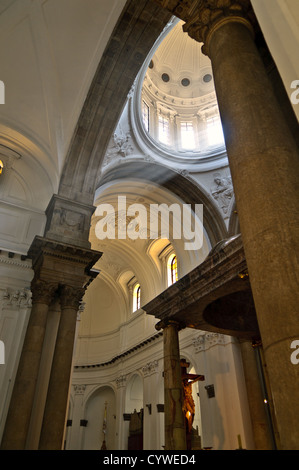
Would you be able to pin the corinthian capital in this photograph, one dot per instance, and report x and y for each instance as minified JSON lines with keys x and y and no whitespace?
{"x":211,"y":14}
{"x":70,"y":297}
{"x":42,"y":291}
{"x":202,"y":17}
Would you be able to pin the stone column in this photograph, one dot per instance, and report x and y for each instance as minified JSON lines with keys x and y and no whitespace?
{"x":41,"y":388}
{"x":264,"y":164}
{"x":53,"y":426}
{"x":175,"y":432}
{"x":19,"y":413}
{"x":260,"y":425}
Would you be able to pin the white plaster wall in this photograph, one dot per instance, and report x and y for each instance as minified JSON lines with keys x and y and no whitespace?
{"x":279,"y":20}
{"x":219,"y":419}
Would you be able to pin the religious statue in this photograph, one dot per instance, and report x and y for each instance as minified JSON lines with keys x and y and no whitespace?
{"x":188,"y":401}
{"x":223,"y":192}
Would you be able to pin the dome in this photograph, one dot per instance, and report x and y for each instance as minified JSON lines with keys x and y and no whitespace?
{"x":178,"y":101}
{"x":179,"y":70}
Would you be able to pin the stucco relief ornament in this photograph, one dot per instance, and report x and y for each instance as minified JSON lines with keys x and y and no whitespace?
{"x":223,"y":191}
{"x":120,"y":145}
{"x":42,"y":291}
{"x":71,"y":297}
{"x":202,"y":16}
{"x":20,"y":298}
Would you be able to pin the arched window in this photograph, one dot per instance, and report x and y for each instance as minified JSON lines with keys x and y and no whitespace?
{"x":164,"y":134}
{"x":187,"y":135}
{"x":136,"y":297}
{"x":172,"y":269}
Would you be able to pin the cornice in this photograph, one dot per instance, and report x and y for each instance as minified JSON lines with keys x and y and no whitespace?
{"x":16,"y":261}
{"x":63,"y":251}
{"x":121,"y":356}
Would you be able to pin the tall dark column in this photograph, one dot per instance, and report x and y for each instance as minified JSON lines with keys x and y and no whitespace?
{"x":53,"y":426}
{"x":264,"y":164}
{"x":19,"y":413}
{"x":175,"y":432}
{"x":61,"y":270}
{"x":261,"y":429}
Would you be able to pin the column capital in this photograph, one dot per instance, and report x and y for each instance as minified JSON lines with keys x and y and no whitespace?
{"x":203,"y":17}
{"x":161,"y":325}
{"x":43,"y":291}
{"x":70,"y":296}
{"x":212,"y":14}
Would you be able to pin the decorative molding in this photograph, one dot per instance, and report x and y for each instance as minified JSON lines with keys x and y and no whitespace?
{"x":121,"y":381}
{"x":205,"y":341}
{"x":70,"y":297}
{"x":79,"y":389}
{"x":20,"y":298}
{"x":150,"y":368}
{"x":18,"y":261}
{"x":121,"y":356}
{"x":121,"y":145}
{"x":9,"y":157}
{"x":80,"y":309}
{"x":43,"y":291}
{"x":202,"y":17}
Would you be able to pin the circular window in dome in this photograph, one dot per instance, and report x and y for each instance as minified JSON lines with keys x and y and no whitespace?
{"x":185,"y":82}
{"x":175,"y":105}
{"x":151,"y":64}
{"x":207,"y":78}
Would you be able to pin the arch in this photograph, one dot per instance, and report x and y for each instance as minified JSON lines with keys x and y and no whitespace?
{"x":138,"y":28}
{"x":177,"y":184}
{"x":100,"y":412}
{"x":134,"y":394}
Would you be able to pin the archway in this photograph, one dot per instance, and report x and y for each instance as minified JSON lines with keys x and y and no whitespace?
{"x":100,"y":412}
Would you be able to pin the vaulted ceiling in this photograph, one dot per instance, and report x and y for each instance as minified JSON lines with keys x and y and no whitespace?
{"x":49,"y":52}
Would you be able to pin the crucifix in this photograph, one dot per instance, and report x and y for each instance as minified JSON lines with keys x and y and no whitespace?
{"x":188,"y":402}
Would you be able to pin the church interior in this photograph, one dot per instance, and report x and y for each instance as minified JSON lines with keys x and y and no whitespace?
{"x":116,"y":334}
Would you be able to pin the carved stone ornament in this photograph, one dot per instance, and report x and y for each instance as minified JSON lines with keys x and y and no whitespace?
{"x":17,"y":298}
{"x":150,"y":368}
{"x":207,"y":340}
{"x":42,"y":291}
{"x":79,"y":389}
{"x":121,"y":381}
{"x":202,"y":17}
{"x":222,"y":191}
{"x":121,"y":146}
{"x":71,"y":297}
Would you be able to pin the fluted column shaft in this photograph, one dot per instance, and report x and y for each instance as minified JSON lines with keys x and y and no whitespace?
{"x":53,"y":426}
{"x":19,"y":414}
{"x":175,"y":432}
